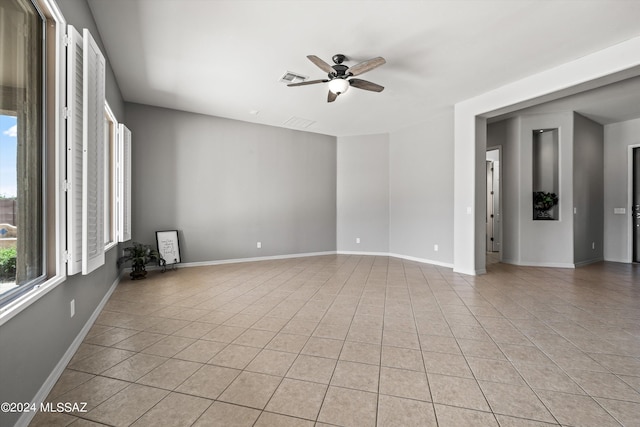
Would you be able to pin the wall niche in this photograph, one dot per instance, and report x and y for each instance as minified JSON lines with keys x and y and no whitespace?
{"x":545,"y":184}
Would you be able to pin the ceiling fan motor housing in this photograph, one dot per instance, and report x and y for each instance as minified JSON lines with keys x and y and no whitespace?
{"x":341,"y":72}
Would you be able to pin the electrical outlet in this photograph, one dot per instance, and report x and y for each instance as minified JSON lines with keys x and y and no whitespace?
{"x":593,"y":245}
{"x":72,"y":307}
{"x":357,"y":240}
{"x":435,"y":248}
{"x":259,"y":245}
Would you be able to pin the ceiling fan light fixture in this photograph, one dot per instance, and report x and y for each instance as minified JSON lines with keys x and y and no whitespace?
{"x":338,"y":86}
{"x":338,"y":75}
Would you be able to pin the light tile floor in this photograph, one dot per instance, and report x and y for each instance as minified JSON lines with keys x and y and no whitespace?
{"x":362,"y":341}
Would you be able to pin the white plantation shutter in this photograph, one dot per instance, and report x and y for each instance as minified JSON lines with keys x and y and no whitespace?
{"x":74,"y":151}
{"x":124,"y":183}
{"x":93,"y":155}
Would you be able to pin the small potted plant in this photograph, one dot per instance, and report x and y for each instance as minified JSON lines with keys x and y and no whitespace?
{"x":543,"y":202}
{"x":140,"y":255}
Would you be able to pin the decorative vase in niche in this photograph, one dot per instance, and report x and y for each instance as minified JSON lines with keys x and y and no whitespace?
{"x":543,"y":215}
{"x":542,"y":204}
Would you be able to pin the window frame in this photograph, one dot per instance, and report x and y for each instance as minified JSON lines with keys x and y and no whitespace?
{"x":123,"y":196}
{"x":111,"y":178}
{"x":41,"y":177}
{"x":53,"y":163}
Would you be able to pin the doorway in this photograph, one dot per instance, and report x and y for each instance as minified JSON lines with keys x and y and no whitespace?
{"x":493,"y":214}
{"x":635,"y":204}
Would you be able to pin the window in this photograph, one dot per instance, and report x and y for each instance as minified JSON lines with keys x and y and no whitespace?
{"x":110,"y":132}
{"x":55,"y":154}
{"x":22,"y":192}
{"x":124,"y":184}
{"x":59,"y":151}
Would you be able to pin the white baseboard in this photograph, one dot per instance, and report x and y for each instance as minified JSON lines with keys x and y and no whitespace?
{"x":303,"y":255}
{"x":538,"y":264}
{"x":253,"y":259}
{"x":589,"y":261}
{"x":422,"y":260}
{"x":363,"y":253}
{"x":623,"y":261}
{"x":407,"y":257}
{"x":471,"y":272}
{"x":44,"y":391}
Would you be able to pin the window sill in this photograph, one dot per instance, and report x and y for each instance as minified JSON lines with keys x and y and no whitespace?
{"x":15,"y":307}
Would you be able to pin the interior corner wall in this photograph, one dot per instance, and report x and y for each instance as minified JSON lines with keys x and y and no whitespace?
{"x":363,"y":194}
{"x":226,"y":185}
{"x":36,"y":339}
{"x":618,"y":137}
{"x":421,"y":190}
{"x":588,"y":190}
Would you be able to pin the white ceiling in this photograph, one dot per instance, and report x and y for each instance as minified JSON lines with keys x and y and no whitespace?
{"x":225,"y":57}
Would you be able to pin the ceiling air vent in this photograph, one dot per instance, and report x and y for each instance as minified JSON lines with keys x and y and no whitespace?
{"x":290,"y":77}
{"x":298,"y":123}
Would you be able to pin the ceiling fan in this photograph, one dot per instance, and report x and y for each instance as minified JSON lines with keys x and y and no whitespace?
{"x":339,"y":75}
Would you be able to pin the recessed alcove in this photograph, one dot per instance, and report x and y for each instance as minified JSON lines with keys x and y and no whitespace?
{"x":545,"y":174}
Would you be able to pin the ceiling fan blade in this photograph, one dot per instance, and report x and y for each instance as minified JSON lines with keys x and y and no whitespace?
{"x":365,"y":66}
{"x":366,"y":85}
{"x":321,"y":64}
{"x":331,"y":97}
{"x":308,"y":82}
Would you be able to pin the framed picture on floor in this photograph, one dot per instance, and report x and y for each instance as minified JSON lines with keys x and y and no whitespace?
{"x":168,"y":246}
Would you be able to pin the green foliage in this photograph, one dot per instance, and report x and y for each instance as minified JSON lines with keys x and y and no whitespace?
{"x":139,"y":255}
{"x":8,"y":264}
{"x":544,"y":201}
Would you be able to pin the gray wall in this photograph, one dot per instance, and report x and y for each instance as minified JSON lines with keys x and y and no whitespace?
{"x":395,"y":192}
{"x":35,"y":340}
{"x":617,"y":139}
{"x":525,"y":241}
{"x":421,"y":190}
{"x":588,"y":190}
{"x":547,"y":242}
{"x":226,"y":185}
{"x":363,"y":193}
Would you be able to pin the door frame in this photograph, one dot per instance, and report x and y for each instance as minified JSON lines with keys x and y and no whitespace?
{"x":501,"y":194}
{"x":629,"y":221}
